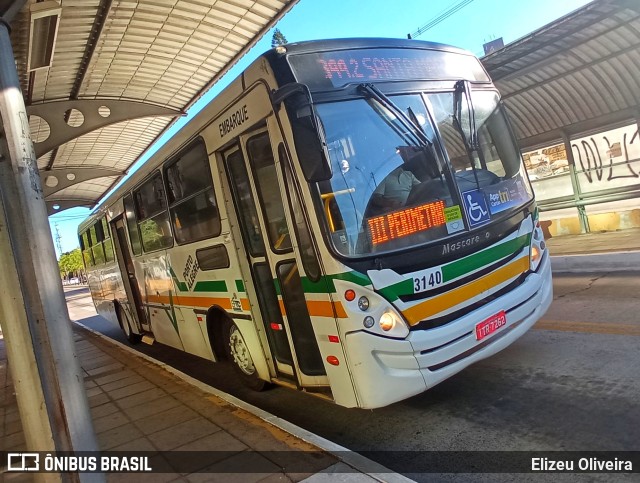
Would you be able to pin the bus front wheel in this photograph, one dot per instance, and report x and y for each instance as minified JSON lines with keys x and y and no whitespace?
{"x":123,"y":320}
{"x":240,"y":358}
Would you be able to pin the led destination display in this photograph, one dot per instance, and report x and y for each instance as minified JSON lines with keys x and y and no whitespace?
{"x":336,"y":69}
{"x":406,"y":222}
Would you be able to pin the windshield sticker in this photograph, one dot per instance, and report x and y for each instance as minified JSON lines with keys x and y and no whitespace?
{"x":453,"y":217}
{"x":406,"y":222}
{"x":476,"y":207}
{"x":505,"y":195}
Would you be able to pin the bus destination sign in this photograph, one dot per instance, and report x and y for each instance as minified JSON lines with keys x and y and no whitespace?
{"x":339,"y":68}
{"x":406,"y":222}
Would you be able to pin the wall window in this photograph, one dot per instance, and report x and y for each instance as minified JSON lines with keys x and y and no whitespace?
{"x":153,"y":218}
{"x":548,"y":168}
{"x":192,"y":202}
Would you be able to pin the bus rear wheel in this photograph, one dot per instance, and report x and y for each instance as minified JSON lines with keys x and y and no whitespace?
{"x":240,"y":358}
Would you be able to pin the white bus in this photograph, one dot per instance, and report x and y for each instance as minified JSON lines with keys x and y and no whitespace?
{"x":350,"y":218}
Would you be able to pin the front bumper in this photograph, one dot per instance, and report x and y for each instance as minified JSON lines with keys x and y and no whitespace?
{"x":387,"y":370}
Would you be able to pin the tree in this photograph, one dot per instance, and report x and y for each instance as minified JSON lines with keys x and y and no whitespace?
{"x":71,"y":262}
{"x":278,"y":38}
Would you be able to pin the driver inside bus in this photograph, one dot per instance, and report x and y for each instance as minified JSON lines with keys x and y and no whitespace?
{"x":394,"y":190}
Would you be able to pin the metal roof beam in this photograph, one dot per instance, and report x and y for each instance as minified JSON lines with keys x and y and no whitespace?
{"x":584,"y":66}
{"x":600,"y":123}
{"x":56,"y":206}
{"x":57,"y":179}
{"x":94,"y":114}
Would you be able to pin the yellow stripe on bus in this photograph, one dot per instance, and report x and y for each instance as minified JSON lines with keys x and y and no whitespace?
{"x":454,"y":297}
{"x":326,"y":309}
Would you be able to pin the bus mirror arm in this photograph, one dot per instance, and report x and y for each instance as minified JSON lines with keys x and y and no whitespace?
{"x":279,"y":95}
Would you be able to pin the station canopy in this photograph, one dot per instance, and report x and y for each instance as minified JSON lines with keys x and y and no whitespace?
{"x":578,"y":74}
{"x":122,"y":71}
{"x":103,"y":79}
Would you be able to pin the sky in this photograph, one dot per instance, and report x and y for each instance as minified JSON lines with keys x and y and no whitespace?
{"x":472,"y":25}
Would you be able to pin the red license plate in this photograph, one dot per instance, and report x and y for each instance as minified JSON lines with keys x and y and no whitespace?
{"x":490,"y":325}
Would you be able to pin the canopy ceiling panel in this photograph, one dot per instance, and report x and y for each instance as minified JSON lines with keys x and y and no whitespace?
{"x":576,"y":74}
{"x":163,"y":53}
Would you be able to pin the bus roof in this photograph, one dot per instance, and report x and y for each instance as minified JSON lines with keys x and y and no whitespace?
{"x":193,"y":126}
{"x":366,"y":42}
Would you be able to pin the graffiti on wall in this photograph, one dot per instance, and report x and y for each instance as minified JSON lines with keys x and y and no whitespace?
{"x":604,"y":157}
{"x":600,"y":158}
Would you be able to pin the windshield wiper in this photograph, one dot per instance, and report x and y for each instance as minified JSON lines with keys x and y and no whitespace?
{"x":410,"y":125}
{"x":462,"y":88}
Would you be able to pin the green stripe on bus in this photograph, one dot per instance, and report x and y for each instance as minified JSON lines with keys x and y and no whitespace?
{"x":211,"y":286}
{"x":182,"y":286}
{"x":171,"y":313}
{"x":240,"y":286}
{"x":461,"y":267}
{"x":392,"y":292}
{"x":478,"y":260}
{"x":325,"y":283}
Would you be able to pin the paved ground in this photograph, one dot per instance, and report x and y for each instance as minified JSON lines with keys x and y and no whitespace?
{"x":135,"y":404}
{"x":188,"y":433}
{"x":595,"y":243}
{"x":596,"y":252}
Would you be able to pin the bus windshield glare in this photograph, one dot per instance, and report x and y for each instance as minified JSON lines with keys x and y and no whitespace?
{"x":404,"y":176}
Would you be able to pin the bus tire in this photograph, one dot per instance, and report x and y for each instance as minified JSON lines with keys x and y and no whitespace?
{"x":123,"y":320}
{"x":240,"y":358}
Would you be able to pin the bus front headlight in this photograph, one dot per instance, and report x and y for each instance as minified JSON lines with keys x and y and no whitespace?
{"x":392,"y":325}
{"x":537,"y":248}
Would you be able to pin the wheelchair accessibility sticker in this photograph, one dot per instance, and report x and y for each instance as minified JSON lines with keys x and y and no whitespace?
{"x":476,"y":207}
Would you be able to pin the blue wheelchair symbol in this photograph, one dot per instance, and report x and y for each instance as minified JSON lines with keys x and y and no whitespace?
{"x":476,"y":207}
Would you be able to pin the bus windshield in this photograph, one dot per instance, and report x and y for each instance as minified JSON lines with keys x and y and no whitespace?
{"x":403,"y":174}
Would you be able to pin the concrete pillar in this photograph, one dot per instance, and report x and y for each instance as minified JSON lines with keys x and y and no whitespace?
{"x":33,"y":305}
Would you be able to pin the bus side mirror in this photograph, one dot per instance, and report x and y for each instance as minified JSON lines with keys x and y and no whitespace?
{"x":307,"y":131}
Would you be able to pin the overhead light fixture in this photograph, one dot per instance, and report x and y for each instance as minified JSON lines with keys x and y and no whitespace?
{"x":45,"y":18}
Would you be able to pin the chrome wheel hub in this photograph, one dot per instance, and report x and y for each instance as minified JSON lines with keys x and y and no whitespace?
{"x":240,"y":353}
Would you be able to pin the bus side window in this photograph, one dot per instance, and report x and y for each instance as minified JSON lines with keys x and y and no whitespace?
{"x":85,"y":244}
{"x":153,"y":217}
{"x":266,"y":178}
{"x":192,"y":201}
{"x":96,"y":243}
{"x":132,"y":225}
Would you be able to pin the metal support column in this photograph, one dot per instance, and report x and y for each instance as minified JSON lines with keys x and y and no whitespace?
{"x":58,"y":383}
{"x":575,"y":183}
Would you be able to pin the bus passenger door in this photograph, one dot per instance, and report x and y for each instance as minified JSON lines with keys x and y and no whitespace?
{"x":260,"y":209}
{"x":127,"y":269}
{"x":267,"y":298}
